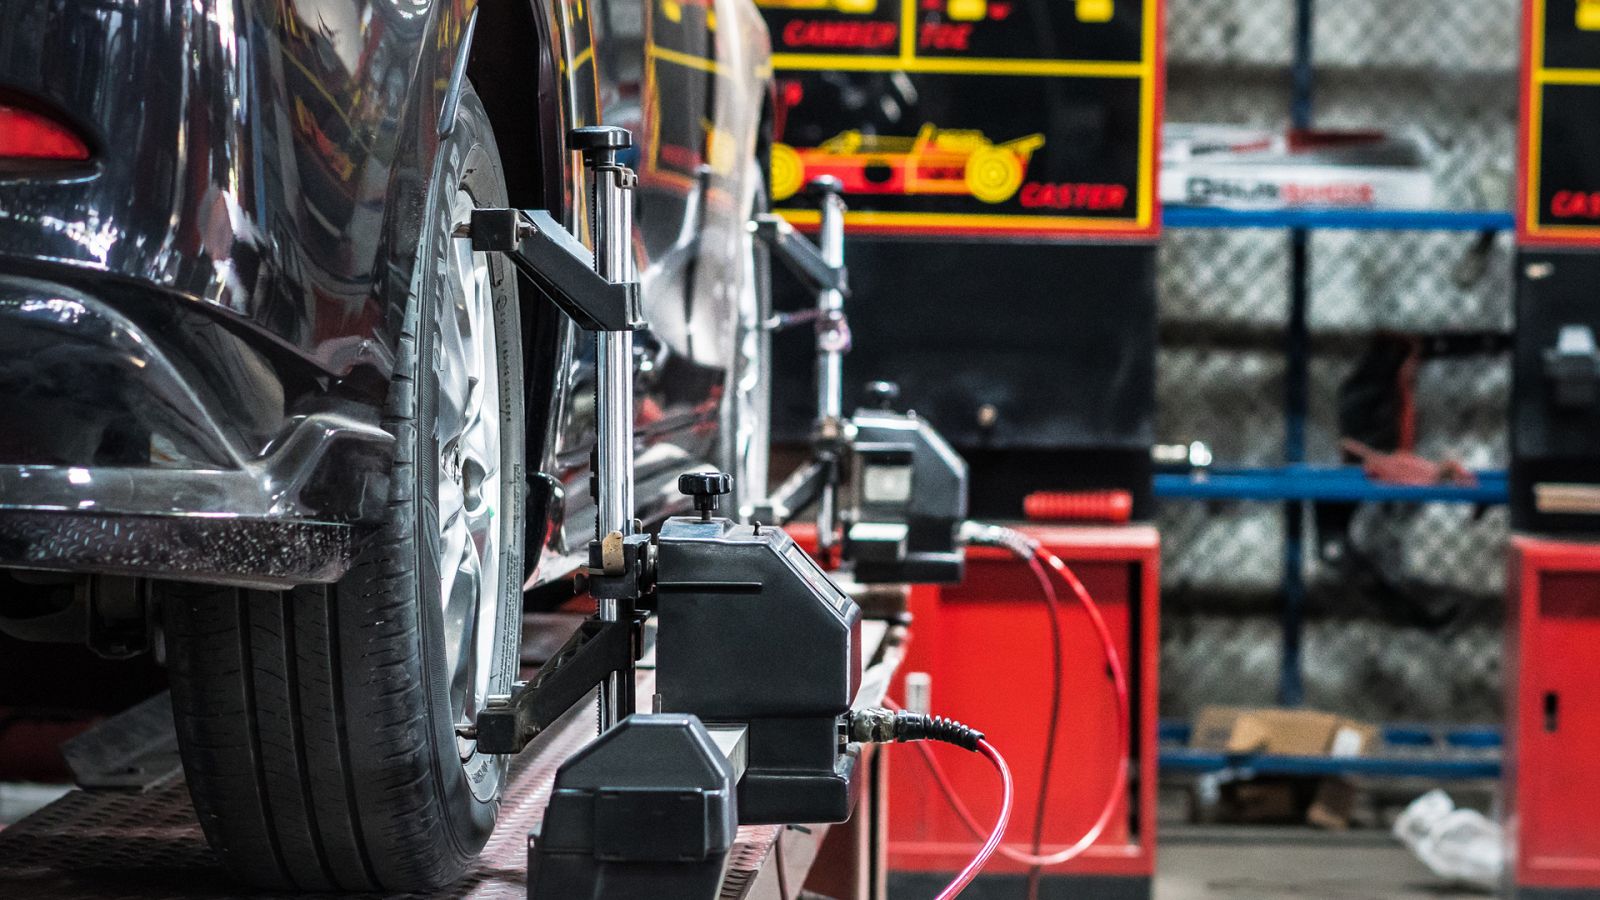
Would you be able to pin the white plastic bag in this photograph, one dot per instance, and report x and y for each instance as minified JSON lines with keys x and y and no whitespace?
{"x":1458,"y":844}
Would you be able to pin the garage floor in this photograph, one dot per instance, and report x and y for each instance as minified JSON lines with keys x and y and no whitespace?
{"x":1301,"y":864}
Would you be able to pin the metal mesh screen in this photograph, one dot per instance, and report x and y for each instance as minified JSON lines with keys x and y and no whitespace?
{"x":1354,"y":666}
{"x":1409,"y":34}
{"x":1224,"y":278}
{"x":1468,"y":120}
{"x":1448,"y":35}
{"x":1403,"y":614}
{"x":1230,"y":32}
{"x":1427,"y":282}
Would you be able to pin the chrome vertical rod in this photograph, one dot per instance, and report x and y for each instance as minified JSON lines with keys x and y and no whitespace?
{"x":833,"y":339}
{"x":611,"y":205}
{"x":613,"y":199}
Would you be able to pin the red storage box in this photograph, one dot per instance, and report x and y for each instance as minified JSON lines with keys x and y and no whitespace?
{"x":986,"y":644}
{"x":1552,"y":682}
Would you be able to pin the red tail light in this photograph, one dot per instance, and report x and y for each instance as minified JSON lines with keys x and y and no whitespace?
{"x":25,"y":134}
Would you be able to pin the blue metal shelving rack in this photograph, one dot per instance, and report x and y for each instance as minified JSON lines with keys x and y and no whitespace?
{"x":1324,"y":484}
{"x":1347,"y":219}
{"x":1409,"y":751}
{"x":1297,"y":481}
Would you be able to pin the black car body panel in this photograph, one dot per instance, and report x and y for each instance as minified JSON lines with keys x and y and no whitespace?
{"x":200,"y":324}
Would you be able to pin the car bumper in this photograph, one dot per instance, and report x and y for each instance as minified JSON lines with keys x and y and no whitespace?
{"x":140,"y":436}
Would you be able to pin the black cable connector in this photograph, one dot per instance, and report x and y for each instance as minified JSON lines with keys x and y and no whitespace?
{"x":881,"y":726}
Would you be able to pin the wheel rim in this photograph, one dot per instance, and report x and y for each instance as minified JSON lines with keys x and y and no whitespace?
{"x":750,"y":422}
{"x":467,"y":435}
{"x":751,"y":399}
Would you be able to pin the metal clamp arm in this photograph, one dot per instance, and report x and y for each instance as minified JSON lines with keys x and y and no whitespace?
{"x":560,"y":266}
{"x":800,"y":255}
{"x":595,"y":651}
{"x":798,"y":491}
{"x":600,"y":292}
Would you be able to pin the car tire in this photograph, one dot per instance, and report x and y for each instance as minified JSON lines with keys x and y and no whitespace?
{"x":318,"y":726}
{"x":747,"y":421}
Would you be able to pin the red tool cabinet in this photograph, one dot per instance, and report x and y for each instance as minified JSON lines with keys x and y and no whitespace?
{"x":1552,"y":682}
{"x":986,"y":644}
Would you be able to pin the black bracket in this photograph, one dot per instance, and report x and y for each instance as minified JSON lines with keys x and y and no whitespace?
{"x":800,"y":255}
{"x":1573,"y":367}
{"x":595,"y":650}
{"x":797,"y":492}
{"x":561,"y":267}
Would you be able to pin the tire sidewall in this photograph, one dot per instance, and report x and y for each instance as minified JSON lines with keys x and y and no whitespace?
{"x":467,"y":159}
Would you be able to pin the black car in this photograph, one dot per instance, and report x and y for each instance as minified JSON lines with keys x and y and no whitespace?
{"x":264,"y":411}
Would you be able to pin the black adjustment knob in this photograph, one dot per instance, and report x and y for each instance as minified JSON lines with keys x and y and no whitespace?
{"x":600,"y":143}
{"x":705,"y":488}
{"x":882,"y":394}
{"x":824,"y":186}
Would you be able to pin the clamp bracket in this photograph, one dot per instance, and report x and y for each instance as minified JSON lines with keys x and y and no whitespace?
{"x":800,"y":255}
{"x":596,"y":650}
{"x":798,"y":491}
{"x":559,"y":266}
{"x":600,"y":292}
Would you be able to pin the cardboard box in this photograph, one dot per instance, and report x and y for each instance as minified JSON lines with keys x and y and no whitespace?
{"x":1325,"y":803}
{"x":1266,"y":801}
{"x":1253,"y":168}
{"x":1281,"y":732}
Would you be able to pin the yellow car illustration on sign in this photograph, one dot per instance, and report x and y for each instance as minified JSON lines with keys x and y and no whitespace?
{"x":936,"y":161}
{"x":1095,"y":10}
{"x":852,"y":7}
{"x":1589,"y":15}
{"x":955,"y":10}
{"x":978,"y":10}
{"x":963,"y":10}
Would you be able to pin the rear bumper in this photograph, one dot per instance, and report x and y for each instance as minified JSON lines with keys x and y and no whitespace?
{"x":243,"y":551}
{"x":138,"y":436}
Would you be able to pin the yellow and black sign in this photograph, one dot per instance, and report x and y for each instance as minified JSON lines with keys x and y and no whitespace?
{"x":1559,"y":189}
{"x":971,"y":116}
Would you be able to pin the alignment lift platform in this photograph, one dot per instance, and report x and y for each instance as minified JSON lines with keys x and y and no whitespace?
{"x":135,"y":836}
{"x":765,"y":682}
